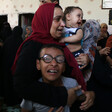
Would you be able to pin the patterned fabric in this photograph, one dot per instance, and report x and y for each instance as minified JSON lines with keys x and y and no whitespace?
{"x":91,"y":30}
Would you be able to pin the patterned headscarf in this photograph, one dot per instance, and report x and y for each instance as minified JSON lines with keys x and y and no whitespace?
{"x":91,"y":31}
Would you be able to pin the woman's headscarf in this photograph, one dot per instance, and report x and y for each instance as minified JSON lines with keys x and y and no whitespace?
{"x":91,"y":30}
{"x":41,"y":25}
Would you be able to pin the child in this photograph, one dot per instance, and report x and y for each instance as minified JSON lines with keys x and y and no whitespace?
{"x":73,"y":21}
{"x":51,"y":62}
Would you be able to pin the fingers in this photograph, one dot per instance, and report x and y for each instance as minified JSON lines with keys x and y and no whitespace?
{"x":89,"y":100}
{"x":77,"y":88}
{"x":60,"y":109}
{"x":51,"y":109}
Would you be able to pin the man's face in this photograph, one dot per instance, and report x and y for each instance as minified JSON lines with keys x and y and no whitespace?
{"x":51,"y":71}
{"x":44,"y":1}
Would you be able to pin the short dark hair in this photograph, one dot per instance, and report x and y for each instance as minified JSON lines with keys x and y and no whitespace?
{"x":58,"y":6}
{"x":68,"y":10}
{"x":50,"y":46}
{"x":55,"y":0}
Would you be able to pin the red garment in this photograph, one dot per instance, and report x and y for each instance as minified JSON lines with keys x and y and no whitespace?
{"x":109,"y":42}
{"x":41,"y":25}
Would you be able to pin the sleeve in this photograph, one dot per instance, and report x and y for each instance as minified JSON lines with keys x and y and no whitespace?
{"x":26,"y":104}
{"x":26,"y":79}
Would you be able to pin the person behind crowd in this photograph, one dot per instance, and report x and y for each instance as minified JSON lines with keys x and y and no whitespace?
{"x":100,"y":69}
{"x":24,"y":68}
{"x":48,"y":1}
{"x":73,"y":20}
{"x":103,"y":36}
{"x":6,"y":31}
{"x":9,"y":50}
{"x":91,"y":30}
{"x":28,"y":31}
{"x":51,"y":62}
{"x":101,"y":81}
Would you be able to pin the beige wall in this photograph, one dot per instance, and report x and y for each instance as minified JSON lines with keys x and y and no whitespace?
{"x":91,"y":8}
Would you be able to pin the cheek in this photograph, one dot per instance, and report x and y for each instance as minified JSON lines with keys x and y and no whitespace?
{"x":53,"y":30}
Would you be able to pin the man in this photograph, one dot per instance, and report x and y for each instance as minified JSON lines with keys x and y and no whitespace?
{"x":48,"y":1}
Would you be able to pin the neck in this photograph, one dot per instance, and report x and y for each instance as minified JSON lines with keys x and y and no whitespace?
{"x":57,"y":82}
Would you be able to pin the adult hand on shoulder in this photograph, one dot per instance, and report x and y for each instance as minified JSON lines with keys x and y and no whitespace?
{"x":60,"y":109}
{"x":72,"y":97}
{"x":82,"y":59}
{"x":90,"y":96}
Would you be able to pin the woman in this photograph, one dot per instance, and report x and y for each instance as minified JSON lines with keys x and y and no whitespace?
{"x":11,"y":44}
{"x":47,"y":28}
{"x":28,"y":31}
{"x":91,"y":30}
{"x":103,"y":36}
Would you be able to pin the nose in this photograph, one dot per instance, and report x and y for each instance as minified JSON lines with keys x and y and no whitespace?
{"x":53,"y":62}
{"x":62,"y":23}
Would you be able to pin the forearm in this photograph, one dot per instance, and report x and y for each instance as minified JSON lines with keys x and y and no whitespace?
{"x":40,"y":92}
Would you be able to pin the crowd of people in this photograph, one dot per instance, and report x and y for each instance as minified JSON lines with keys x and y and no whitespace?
{"x":61,"y":66}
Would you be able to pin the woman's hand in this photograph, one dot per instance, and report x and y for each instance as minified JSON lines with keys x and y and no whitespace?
{"x":104,"y":51}
{"x":72,"y":97}
{"x":90,"y":96}
{"x":60,"y":109}
{"x":83,"y":60}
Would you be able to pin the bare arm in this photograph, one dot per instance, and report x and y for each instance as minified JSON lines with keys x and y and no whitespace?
{"x":74,"y":38}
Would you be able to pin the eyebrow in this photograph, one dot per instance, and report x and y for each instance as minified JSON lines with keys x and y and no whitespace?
{"x":59,"y":16}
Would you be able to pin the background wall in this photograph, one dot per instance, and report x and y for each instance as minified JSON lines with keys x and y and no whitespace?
{"x":91,"y":8}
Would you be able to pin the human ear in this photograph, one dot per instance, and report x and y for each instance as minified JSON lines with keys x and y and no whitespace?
{"x":68,"y":17}
{"x":38,"y":64}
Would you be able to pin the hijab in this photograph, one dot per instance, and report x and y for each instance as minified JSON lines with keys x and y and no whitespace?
{"x":41,"y":25}
{"x":91,"y":31}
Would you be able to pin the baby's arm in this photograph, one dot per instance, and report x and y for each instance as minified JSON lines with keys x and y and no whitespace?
{"x":74,"y":38}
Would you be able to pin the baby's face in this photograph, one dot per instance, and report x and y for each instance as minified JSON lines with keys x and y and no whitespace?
{"x":76,"y":18}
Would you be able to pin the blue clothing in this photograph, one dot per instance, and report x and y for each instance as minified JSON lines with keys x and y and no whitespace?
{"x":77,"y":53}
{"x":69,"y":32}
{"x":29,"y":105}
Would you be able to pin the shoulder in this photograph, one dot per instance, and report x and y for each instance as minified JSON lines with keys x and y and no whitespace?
{"x":31,"y":46}
{"x":69,"y":82}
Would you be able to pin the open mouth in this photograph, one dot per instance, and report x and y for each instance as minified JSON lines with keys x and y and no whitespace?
{"x":52,"y":71}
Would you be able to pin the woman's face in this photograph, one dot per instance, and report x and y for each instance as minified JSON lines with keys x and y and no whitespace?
{"x":57,"y":24}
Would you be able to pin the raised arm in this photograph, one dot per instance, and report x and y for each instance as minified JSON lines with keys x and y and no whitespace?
{"x":74,"y":38}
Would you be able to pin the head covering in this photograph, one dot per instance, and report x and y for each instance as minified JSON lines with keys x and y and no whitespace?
{"x":91,"y":31}
{"x":17,"y":31}
{"x":103,"y":25}
{"x":41,"y":25}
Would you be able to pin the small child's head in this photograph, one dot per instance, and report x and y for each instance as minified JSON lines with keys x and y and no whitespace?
{"x":73,"y":16}
{"x":51,"y":62}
